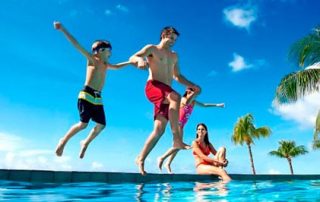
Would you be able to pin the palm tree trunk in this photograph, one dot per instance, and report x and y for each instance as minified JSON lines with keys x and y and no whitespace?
{"x":251,"y":160}
{"x":290,"y":165}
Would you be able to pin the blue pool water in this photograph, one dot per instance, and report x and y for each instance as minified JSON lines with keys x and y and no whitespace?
{"x":300,"y":190}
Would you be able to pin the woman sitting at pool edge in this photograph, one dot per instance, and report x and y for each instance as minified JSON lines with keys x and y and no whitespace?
{"x":202,"y":148}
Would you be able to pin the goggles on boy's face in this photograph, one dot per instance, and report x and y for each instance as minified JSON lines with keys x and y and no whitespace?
{"x":102,"y":47}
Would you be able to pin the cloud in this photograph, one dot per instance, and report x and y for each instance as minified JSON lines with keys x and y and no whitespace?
{"x":34,"y":160}
{"x":122,"y":8}
{"x":274,"y":171}
{"x":108,"y":12}
{"x":118,"y":9}
{"x":9,"y":142}
{"x":239,"y":63}
{"x":304,"y":111}
{"x":96,"y":166}
{"x":241,"y":17}
{"x":314,"y":66}
{"x":16,"y":154}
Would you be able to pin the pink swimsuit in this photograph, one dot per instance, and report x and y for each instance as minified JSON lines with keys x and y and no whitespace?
{"x":185,"y":113}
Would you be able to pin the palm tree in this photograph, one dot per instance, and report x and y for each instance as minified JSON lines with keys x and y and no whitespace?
{"x":316,"y":141}
{"x":289,"y":150}
{"x":306,"y":53}
{"x":244,"y":132}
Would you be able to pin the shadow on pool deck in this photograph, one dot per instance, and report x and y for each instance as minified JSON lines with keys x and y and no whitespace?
{"x":117,"y":177}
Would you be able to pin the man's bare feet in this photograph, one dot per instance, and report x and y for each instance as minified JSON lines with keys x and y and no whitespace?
{"x":160,"y":162}
{"x":168,"y":167}
{"x":60,"y":147}
{"x":178,"y":144}
{"x":83,"y":149}
{"x":140,"y":165}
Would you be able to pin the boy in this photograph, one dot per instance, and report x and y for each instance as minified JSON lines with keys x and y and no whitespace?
{"x":89,"y":100}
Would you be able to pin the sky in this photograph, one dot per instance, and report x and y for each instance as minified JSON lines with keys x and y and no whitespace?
{"x":235,"y":50}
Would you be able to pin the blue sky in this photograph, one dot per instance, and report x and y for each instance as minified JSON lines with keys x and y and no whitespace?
{"x":235,"y":50}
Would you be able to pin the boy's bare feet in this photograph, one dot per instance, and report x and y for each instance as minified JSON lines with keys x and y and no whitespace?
{"x":140,"y":165}
{"x":60,"y":147}
{"x":83,"y":149}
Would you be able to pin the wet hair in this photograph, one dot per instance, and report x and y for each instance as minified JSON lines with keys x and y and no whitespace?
{"x":185,"y":93}
{"x":168,"y":30}
{"x":99,"y":44}
{"x":206,"y":138}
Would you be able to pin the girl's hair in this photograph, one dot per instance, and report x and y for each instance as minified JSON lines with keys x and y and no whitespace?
{"x":206,"y":137}
{"x":186,"y":93}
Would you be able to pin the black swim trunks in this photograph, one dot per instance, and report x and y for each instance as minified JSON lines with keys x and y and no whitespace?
{"x":90,"y":106}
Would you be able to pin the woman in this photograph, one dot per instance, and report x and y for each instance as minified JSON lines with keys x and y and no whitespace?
{"x":202,"y":148}
{"x":187,"y":104}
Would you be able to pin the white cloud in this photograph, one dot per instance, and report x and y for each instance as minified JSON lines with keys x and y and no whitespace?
{"x":240,"y":17}
{"x":274,"y":171}
{"x":118,"y":9}
{"x":314,"y":66}
{"x":96,"y":166}
{"x":16,"y":155}
{"x":108,"y":12}
{"x":304,"y":111}
{"x":9,"y":142}
{"x":238,"y":63}
{"x":122,"y":8}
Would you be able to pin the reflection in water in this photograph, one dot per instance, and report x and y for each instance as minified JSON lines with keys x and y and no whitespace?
{"x":166,"y":192}
{"x":140,"y":192}
{"x":206,"y":191}
{"x":159,"y":192}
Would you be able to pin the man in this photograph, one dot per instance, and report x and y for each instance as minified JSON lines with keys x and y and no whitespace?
{"x":163,"y":68}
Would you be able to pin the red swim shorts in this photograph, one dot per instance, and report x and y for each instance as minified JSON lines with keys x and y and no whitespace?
{"x":156,"y":92}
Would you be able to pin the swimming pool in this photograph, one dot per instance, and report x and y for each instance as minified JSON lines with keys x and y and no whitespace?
{"x":236,"y":190}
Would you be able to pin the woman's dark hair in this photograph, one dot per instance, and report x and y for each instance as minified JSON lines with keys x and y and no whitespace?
{"x":168,"y":30}
{"x":206,"y":138}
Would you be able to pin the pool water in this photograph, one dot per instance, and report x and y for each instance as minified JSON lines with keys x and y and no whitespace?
{"x":298,"y":190}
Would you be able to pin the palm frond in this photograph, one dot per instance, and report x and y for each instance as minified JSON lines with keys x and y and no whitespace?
{"x":316,"y":144}
{"x":288,"y":149}
{"x":297,"y":85}
{"x":306,"y":51}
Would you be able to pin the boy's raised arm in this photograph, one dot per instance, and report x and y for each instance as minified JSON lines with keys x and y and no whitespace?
{"x":58,"y":26}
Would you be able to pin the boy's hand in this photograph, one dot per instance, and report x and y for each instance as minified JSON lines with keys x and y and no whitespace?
{"x":142,"y":64}
{"x":57,"y":25}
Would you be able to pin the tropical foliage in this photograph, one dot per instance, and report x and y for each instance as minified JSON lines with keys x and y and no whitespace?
{"x":289,"y":150}
{"x":245,"y":132}
{"x":306,"y":54}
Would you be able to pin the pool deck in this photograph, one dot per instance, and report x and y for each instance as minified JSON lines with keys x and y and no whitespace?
{"x":46,"y":176}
